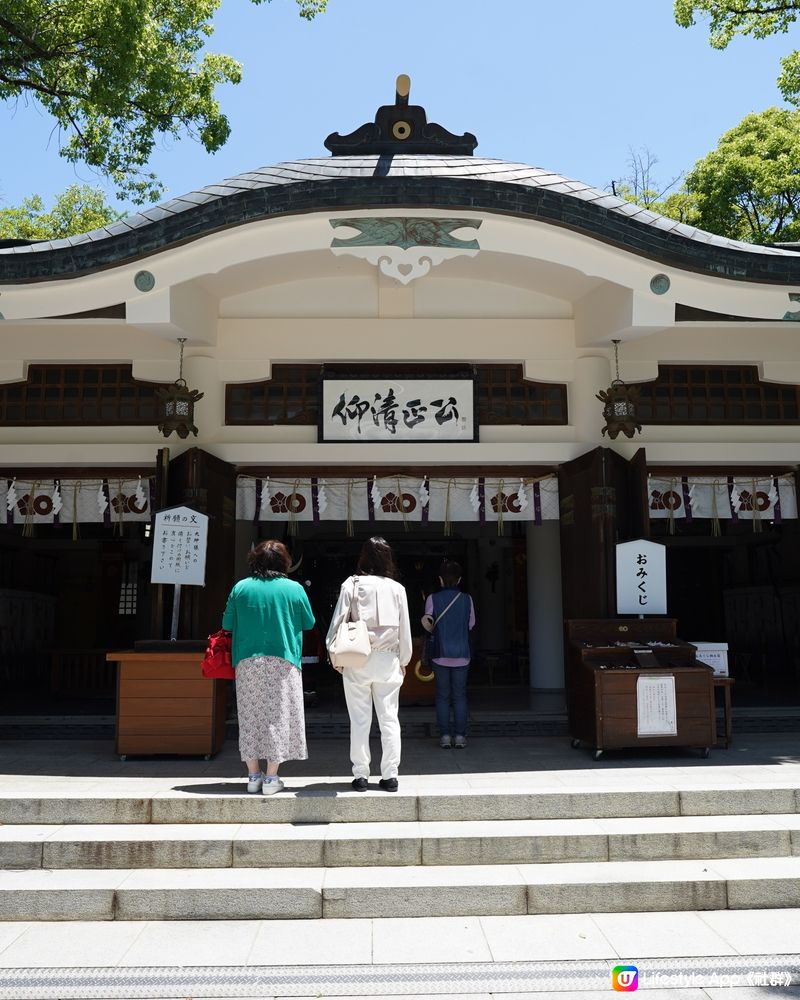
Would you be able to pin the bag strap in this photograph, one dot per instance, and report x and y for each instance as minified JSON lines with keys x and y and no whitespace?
{"x":439,"y":618}
{"x":353,"y":603}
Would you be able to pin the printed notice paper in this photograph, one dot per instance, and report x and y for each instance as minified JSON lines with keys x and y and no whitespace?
{"x":656,"y":714}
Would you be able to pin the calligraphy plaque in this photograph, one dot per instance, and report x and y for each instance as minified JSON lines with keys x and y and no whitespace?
{"x":398,"y":409}
{"x":179,"y":546}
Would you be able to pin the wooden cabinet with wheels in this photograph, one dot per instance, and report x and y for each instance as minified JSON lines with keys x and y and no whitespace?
{"x":602,"y":679}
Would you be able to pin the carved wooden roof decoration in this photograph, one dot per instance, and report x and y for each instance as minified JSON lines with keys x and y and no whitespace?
{"x":401,"y":128}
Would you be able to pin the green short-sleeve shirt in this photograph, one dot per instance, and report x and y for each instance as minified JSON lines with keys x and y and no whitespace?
{"x":267,"y":618}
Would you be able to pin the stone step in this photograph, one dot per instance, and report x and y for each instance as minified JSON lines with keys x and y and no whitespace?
{"x":226,"y":802}
{"x":497,"y":842}
{"x":476,"y":890}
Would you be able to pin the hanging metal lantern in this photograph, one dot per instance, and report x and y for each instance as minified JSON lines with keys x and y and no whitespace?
{"x":177,"y":404}
{"x":619,"y":404}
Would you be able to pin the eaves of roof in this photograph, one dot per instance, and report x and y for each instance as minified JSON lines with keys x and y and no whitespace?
{"x":442,"y":183}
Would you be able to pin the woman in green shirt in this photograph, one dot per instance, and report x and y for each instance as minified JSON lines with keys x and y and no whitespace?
{"x":267,"y":614}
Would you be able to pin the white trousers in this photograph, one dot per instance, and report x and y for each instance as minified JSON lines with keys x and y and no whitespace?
{"x":377,"y":682}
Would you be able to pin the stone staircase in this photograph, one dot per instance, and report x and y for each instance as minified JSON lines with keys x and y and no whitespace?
{"x":320,"y":850}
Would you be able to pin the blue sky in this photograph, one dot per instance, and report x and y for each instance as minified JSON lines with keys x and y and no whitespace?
{"x":568,"y":86}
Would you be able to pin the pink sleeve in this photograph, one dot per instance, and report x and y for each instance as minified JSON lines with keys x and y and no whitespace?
{"x":471,"y":614}
{"x":429,"y":605}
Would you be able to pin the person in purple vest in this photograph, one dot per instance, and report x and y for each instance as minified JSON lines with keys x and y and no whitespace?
{"x":453,"y":615}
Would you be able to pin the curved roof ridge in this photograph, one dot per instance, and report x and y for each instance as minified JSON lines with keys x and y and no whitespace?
{"x":322,"y":168}
{"x":400,"y":181}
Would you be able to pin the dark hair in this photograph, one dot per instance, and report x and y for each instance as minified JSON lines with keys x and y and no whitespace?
{"x":268,"y":559}
{"x":377,"y":558}
{"x":450,"y":572}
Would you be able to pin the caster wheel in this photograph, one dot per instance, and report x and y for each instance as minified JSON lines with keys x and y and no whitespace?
{"x":705,"y":752}
{"x":123,"y":756}
{"x":575,"y":744}
{"x":597,"y":754}
{"x":207,"y":757}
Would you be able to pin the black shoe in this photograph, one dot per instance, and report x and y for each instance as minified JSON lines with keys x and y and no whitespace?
{"x":388,"y":784}
{"x":360,"y":784}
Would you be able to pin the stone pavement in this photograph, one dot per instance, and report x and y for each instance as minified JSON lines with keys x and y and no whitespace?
{"x":736,"y":954}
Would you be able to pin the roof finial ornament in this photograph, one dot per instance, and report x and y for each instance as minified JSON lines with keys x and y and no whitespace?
{"x":401,"y":128}
{"x":402,"y":89}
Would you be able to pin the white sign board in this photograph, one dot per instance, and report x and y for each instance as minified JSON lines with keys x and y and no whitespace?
{"x":398,"y":409}
{"x":179,"y":547}
{"x":656,"y":714}
{"x":641,"y":578}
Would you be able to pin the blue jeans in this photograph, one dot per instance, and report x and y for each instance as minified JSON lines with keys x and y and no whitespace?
{"x":451,"y":688}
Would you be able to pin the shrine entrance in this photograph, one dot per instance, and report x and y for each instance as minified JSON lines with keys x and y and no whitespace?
{"x":501,"y":528}
{"x":75,"y":555}
{"x":741,"y":588}
{"x":494,"y":574}
{"x":64,"y":602}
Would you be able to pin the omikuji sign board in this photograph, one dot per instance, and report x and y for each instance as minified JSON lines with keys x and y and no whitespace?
{"x":398,"y":409}
{"x":641,"y":578}
{"x":179,"y":547}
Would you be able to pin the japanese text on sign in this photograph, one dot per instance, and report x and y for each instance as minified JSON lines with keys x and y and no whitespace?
{"x":179,"y":547}
{"x":656,"y":713}
{"x":641,"y":578}
{"x":412,"y":410}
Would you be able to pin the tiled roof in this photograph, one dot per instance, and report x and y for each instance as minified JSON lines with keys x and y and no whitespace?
{"x":352,"y":182}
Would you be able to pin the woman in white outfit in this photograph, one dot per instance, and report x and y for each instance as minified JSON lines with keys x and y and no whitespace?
{"x":381,"y":602}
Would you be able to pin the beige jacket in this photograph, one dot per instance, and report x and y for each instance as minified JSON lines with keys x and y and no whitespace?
{"x":382,"y":604}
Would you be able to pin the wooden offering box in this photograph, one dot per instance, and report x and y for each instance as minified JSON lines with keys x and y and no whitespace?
{"x":165,"y":705}
{"x":601,"y":682}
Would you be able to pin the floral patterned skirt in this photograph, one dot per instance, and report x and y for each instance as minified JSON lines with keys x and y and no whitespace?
{"x":269,"y":701}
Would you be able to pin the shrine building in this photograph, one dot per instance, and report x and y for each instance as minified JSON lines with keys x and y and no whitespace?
{"x":474,"y":358}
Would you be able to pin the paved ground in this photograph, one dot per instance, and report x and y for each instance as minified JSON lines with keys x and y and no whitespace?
{"x":730,"y":954}
{"x":534,"y":759}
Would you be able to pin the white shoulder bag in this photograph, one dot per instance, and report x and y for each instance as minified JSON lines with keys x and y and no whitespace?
{"x":350,"y":645}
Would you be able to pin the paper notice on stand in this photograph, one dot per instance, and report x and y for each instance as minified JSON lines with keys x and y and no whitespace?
{"x":656,"y":713}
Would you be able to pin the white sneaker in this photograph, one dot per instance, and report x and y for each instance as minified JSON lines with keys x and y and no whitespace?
{"x":460,"y":742}
{"x":254,"y":783}
{"x":445,"y":742}
{"x":271,"y":785}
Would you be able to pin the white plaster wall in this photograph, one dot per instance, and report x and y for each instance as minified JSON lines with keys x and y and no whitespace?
{"x":573,"y":263}
{"x":514,"y":302}
{"x":442,"y":297}
{"x":314,"y":297}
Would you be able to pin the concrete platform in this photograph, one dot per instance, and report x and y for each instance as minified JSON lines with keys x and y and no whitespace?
{"x":412,"y":891}
{"x":162,"y":878}
{"x":337,"y":845}
{"x":479,"y":957}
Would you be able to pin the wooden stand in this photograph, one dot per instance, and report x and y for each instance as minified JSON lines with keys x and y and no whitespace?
{"x":725,"y":684}
{"x":601,"y":684}
{"x":165,"y":705}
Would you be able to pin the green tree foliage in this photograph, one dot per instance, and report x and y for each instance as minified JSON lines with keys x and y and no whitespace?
{"x":727,"y":18}
{"x":79,"y":209}
{"x":748,"y":188}
{"x":757,"y":18}
{"x":116,"y":75}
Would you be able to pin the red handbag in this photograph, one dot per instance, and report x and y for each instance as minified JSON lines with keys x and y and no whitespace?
{"x":218,"y":663}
